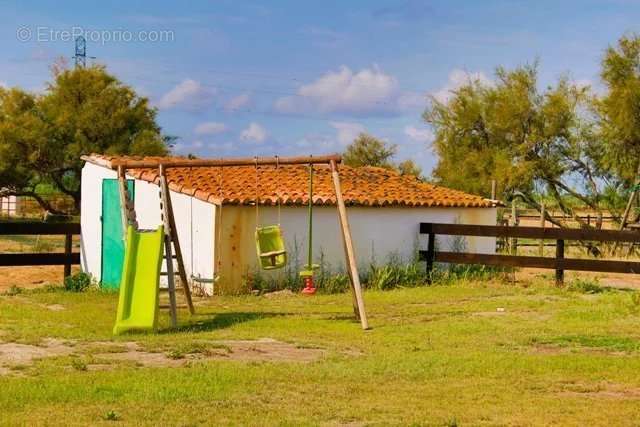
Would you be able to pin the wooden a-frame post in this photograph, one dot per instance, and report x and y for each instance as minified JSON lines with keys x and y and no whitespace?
{"x":172,"y":233}
{"x":348,"y":248}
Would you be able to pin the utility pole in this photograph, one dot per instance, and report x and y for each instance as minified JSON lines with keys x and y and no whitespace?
{"x":81,"y":52}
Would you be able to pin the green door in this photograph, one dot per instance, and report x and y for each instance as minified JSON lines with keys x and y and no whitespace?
{"x":112,"y":243}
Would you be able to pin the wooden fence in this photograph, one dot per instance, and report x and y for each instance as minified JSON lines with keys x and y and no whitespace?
{"x":66,"y":258}
{"x":28,"y":207}
{"x":558,"y":263}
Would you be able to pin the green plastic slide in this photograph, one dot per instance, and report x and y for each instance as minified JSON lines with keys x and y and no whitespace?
{"x":139,"y":294}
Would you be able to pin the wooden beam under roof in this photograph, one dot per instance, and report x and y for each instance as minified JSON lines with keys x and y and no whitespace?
{"x":232,"y":161}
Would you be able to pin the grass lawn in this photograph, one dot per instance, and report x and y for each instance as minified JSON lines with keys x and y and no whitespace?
{"x":464,"y":354}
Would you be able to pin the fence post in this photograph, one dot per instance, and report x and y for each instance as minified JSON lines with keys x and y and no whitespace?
{"x":542,"y":224}
{"x":559,"y":257}
{"x":514,"y":223}
{"x":431,"y":254}
{"x":68,"y":238}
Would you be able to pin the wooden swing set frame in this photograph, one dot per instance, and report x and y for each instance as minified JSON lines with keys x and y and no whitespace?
{"x":162,"y":165}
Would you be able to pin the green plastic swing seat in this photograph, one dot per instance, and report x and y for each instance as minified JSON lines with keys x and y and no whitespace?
{"x":270,"y":246}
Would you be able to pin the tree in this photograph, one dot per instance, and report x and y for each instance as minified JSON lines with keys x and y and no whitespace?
{"x":22,"y":137}
{"x":367,"y":150}
{"x":526,"y":139}
{"x":409,"y":167}
{"x":619,"y":109}
{"x":83,"y":111}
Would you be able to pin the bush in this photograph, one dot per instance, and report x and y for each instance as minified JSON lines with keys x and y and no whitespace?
{"x":586,"y":286}
{"x":333,"y":284}
{"x":77,"y":283}
{"x":394,"y":275}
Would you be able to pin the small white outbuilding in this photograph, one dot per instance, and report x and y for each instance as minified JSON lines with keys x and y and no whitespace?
{"x":216,"y":216}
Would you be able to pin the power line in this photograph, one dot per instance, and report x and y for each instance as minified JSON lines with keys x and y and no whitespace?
{"x":169,"y":66}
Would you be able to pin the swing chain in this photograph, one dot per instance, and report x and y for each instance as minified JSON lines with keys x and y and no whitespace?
{"x":219,"y":225}
{"x":278,"y":195}
{"x":255,"y":159}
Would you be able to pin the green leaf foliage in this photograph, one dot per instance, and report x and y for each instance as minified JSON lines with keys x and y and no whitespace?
{"x":82,"y":111}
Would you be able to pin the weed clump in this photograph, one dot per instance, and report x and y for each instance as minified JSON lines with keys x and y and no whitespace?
{"x":586,"y":286}
{"x":79,"y":282}
{"x":111,"y":415}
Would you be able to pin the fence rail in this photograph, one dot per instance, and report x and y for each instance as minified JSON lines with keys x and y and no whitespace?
{"x":558,"y":263}
{"x":67,"y":259}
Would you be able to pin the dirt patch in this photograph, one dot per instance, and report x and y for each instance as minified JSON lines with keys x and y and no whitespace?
{"x":599,"y":391}
{"x":614,"y":280}
{"x":54,"y":307}
{"x":285,"y":293}
{"x":14,"y":354}
{"x":32,"y":276}
{"x":498,"y":312}
{"x":262,"y":350}
{"x":109,"y":355}
{"x":552,"y":349}
{"x":270,"y":350}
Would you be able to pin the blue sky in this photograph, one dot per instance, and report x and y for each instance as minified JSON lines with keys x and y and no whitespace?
{"x":294,"y":77}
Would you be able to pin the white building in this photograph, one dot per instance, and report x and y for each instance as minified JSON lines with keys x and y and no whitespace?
{"x":8,"y":206}
{"x":215,"y":216}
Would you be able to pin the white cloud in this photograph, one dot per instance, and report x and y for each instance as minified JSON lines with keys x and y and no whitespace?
{"x":254,"y":132}
{"x":347,"y":131}
{"x":419,"y":135}
{"x":188,"y":94}
{"x":237,"y":102}
{"x":368,"y":91}
{"x":183,"y":147}
{"x":210,"y":128}
{"x":458,"y":78}
{"x":4,"y":84}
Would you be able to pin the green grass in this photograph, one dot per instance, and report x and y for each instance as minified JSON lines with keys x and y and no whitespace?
{"x":464,"y":354}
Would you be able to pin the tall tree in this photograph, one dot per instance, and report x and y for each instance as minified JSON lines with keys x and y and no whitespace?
{"x":524,"y":138}
{"x":619,"y":109}
{"x":84,"y":110}
{"x":409,"y":167}
{"x":367,"y":150}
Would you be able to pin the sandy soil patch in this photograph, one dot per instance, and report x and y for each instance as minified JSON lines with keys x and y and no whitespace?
{"x":267,"y":349}
{"x":32,"y":276}
{"x":558,"y":349}
{"x":262,"y":350}
{"x":599,"y":391}
{"x":14,"y":354}
{"x":614,"y":280}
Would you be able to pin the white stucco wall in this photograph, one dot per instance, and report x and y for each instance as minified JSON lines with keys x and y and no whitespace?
{"x":194,"y":221}
{"x":378,"y":233}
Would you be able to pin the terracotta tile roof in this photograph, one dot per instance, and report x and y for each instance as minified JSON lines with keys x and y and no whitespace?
{"x":364,"y":186}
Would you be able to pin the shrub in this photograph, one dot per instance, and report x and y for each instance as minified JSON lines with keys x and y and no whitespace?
{"x":13,"y":290}
{"x":334,"y":284}
{"x":77,"y":283}
{"x":586,"y":286}
{"x":453,"y":273}
{"x":111,"y":415}
{"x":78,"y":365}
